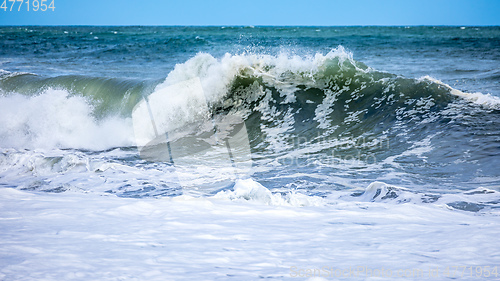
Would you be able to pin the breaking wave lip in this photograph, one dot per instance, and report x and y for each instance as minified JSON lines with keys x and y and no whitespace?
{"x":56,"y":119}
{"x":486,"y":100}
{"x":5,"y":73}
{"x":287,"y":72}
{"x":217,"y":75}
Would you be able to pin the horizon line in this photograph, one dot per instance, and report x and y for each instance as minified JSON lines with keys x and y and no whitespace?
{"x":248,"y":26}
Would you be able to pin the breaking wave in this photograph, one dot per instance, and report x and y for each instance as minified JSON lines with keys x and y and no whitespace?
{"x":314,"y":123}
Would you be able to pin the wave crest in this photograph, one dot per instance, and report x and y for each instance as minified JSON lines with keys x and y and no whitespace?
{"x":55,"y":119}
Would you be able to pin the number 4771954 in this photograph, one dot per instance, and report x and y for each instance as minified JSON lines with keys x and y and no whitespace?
{"x":34,"y":5}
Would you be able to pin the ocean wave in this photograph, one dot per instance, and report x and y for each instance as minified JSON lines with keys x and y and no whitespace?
{"x":320,"y":101}
{"x":56,"y":119}
{"x":302,"y":116}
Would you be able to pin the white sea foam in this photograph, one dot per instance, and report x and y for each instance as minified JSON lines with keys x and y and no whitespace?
{"x":4,"y":74}
{"x":216,"y":75}
{"x":54,"y":119}
{"x":486,"y":100}
{"x":81,"y":236}
{"x":250,"y":190}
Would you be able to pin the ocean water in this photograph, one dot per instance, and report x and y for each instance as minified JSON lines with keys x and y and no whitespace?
{"x":215,"y":153}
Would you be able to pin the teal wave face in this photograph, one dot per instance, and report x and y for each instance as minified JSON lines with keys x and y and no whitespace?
{"x":107,"y":96}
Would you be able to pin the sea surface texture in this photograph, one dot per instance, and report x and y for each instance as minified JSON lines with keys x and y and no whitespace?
{"x":242,"y":153}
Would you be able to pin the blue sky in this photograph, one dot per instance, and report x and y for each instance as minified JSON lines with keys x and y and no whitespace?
{"x":257,"y":12}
